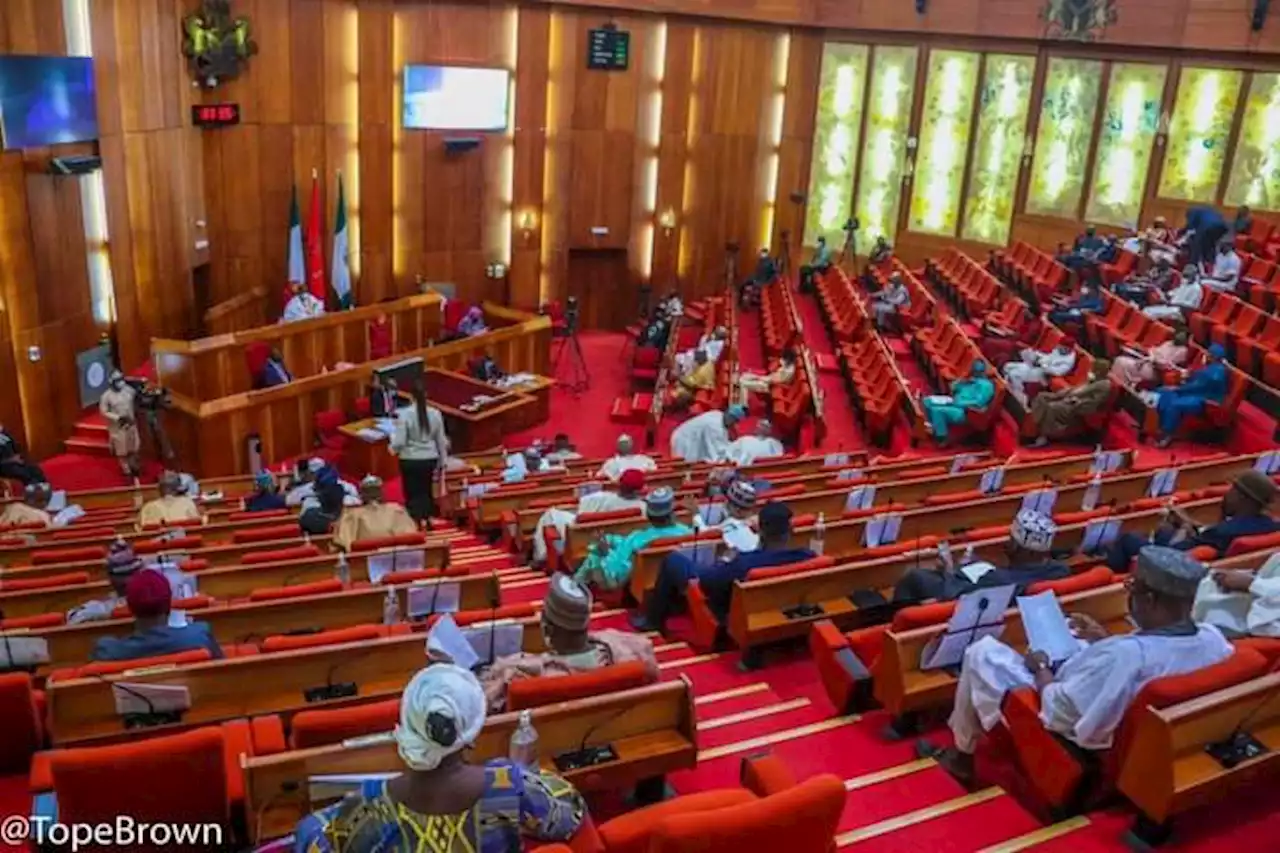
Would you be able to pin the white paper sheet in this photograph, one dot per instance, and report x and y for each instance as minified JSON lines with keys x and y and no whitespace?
{"x":57,"y":501}
{"x":974,"y":572}
{"x":1098,"y":534}
{"x":16,"y":651}
{"x":992,"y":481}
{"x":1163,"y":482}
{"x":446,"y":638}
{"x":863,"y":497}
{"x":834,"y":460}
{"x":1041,"y":500}
{"x":978,"y":614}
{"x":960,"y":461}
{"x":849,"y":474}
{"x":423,"y":599}
{"x":1268,"y":463}
{"x":1092,"y":494}
{"x":882,"y":529}
{"x":1106,"y":462}
{"x":1046,"y":626}
{"x":508,"y":639}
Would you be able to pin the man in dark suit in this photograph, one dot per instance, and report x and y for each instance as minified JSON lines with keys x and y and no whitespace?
{"x":382,"y":397}
{"x":13,"y":462}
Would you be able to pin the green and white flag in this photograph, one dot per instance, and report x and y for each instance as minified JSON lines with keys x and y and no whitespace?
{"x":341,"y":275}
{"x":297,"y":269}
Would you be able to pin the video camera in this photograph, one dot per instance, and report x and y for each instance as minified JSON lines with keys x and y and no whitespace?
{"x":149,"y":398}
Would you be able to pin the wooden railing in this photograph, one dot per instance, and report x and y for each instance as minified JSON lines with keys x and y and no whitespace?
{"x":244,"y":311}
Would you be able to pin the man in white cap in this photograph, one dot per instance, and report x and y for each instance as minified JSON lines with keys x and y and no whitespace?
{"x":1027,"y":552}
{"x":374,"y":518}
{"x":1240,"y":602}
{"x":117,"y":407}
{"x":1086,"y":698}
{"x":609,"y":559}
{"x":707,"y":437}
{"x":571,"y":647}
{"x":625,"y":458}
{"x":746,"y":450}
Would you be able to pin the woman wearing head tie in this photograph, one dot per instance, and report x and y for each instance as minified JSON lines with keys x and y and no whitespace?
{"x":443,"y":803}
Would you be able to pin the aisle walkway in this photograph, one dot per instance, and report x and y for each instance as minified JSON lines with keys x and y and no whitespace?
{"x":843,"y":431}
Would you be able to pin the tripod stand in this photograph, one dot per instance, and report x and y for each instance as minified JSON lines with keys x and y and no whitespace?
{"x":784,"y":255}
{"x":850,"y":248}
{"x":579,"y":377}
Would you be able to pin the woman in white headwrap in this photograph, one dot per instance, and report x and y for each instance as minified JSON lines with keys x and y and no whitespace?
{"x":443,"y":803}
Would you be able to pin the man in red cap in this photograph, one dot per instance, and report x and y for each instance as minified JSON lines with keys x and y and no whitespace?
{"x":157,"y":629}
{"x":630,"y":495}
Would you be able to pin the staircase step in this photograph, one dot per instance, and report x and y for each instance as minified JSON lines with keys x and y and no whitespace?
{"x":91,"y":427}
{"x":91,"y":446}
{"x":621,"y":411}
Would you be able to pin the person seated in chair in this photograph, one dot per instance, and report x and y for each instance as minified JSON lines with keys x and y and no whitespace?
{"x":1060,"y":413}
{"x":374,"y":518}
{"x":765,"y":272}
{"x":571,"y":647}
{"x":1243,"y":221}
{"x":716,"y":581}
{"x":266,"y":494}
{"x":1176,"y":403}
{"x":383,"y":400}
{"x":630,"y":495}
{"x":783,"y":374}
{"x":122,"y":564}
{"x":611,"y":557}
{"x":1180,"y":302}
{"x":307,"y":477}
{"x":472,"y":323}
{"x":302,"y":305}
{"x":1084,"y":699}
{"x":1139,"y":289}
{"x":273,"y":370}
{"x":1225,"y":277}
{"x":1085,"y":252}
{"x":562,"y":450}
{"x":1001,"y":345}
{"x":440,"y":795}
{"x":887,"y":305}
{"x":1244,"y":513}
{"x":1037,"y":367}
{"x":1087,"y":301}
{"x":486,"y":369}
{"x":744,"y":451}
{"x":172,"y":507}
{"x":821,"y":262}
{"x":13,"y":462}
{"x":657,"y":330}
{"x":712,"y":343}
{"x":1134,"y":368}
{"x":157,"y":630}
{"x":31,"y":511}
{"x":972,"y":394}
{"x":1240,"y":602}
{"x":701,"y":378}
{"x":1027,"y":553}
{"x":624,"y":459}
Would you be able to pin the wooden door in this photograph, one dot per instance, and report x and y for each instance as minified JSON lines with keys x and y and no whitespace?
{"x":601,"y":281}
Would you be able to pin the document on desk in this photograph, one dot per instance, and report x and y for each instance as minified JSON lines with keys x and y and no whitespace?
{"x":1163,"y":482}
{"x":1106,"y":462}
{"x":1041,"y":501}
{"x":958,"y":464}
{"x":429,"y":597}
{"x":1099,"y":534}
{"x":992,"y":481}
{"x":1268,"y":463}
{"x":833,"y":460}
{"x":978,"y":614}
{"x":1046,"y":626}
{"x":371,"y":435}
{"x":882,"y":529}
{"x":446,"y":639}
{"x":863,"y":497}
{"x":507,"y":639}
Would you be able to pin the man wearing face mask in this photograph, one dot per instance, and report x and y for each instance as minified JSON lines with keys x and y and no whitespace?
{"x":117,"y":408}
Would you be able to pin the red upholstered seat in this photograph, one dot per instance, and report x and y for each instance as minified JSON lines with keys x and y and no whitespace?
{"x":68,"y":579}
{"x":361,"y":546}
{"x":244,"y":515}
{"x":45,"y":556}
{"x":1090,"y":579}
{"x":42,"y":620}
{"x":83,"y":533}
{"x":179,"y":543}
{"x":1248,"y":544}
{"x":522,"y":610}
{"x":110,"y":667}
{"x":545,"y":690}
{"x":180,"y":778}
{"x":278,"y":592}
{"x":20,"y":720}
{"x":265,"y":534}
{"x":356,"y":633}
{"x":296,"y":552}
{"x":320,"y":727}
{"x":824,"y":562}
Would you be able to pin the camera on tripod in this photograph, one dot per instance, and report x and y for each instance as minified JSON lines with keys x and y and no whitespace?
{"x":150,"y":398}
{"x":850,"y":225}
{"x":572,"y":315}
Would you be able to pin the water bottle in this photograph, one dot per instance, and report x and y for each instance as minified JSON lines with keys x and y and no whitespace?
{"x":344,"y":569}
{"x":817,"y":542}
{"x":390,"y":608}
{"x":524,"y":742}
{"x":968,"y":555}
{"x":1092,"y":494}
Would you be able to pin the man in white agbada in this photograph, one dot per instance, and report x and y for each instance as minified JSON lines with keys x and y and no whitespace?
{"x":1037,"y":367}
{"x":301,"y":306}
{"x":1240,"y":602}
{"x":1086,"y":699}
{"x":624,"y":459}
{"x":707,"y":437}
{"x":885,"y":304}
{"x":783,"y":374}
{"x":746,"y":450}
{"x":1184,"y":298}
{"x":711,"y":343}
{"x":630,"y":495}
{"x":303,"y":495}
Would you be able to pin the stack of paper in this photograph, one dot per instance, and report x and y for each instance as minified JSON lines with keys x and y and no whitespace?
{"x":992,"y":481}
{"x":882,"y":529}
{"x":1046,"y":627}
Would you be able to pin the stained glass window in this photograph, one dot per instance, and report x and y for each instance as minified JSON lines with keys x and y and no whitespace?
{"x":1196,"y":145}
{"x":944,"y":141}
{"x":1129,"y":124}
{"x":1067,"y":111}
{"x":1255,"y":169}
{"x":835,"y":140}
{"x":1004,"y":102}
{"x":884,"y":146}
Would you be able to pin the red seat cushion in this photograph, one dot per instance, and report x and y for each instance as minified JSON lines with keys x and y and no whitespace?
{"x":398,"y":541}
{"x":84,"y":553}
{"x":320,"y":727}
{"x":545,"y":690}
{"x":265,"y":534}
{"x":297,"y":552}
{"x":68,"y":579}
{"x":824,"y":562}
{"x":278,"y":592}
{"x":356,"y":633}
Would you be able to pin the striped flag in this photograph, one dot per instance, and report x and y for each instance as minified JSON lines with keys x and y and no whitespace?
{"x":341,"y":272}
{"x":297,"y":269}
{"x":314,"y":244}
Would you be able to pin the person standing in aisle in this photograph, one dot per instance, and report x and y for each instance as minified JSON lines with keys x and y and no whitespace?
{"x":420,"y":443}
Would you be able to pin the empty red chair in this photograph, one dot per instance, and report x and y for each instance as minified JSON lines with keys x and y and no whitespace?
{"x":549,"y":689}
{"x":21,"y":721}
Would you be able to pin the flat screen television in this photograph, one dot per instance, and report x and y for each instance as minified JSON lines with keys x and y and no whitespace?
{"x":47,"y":100}
{"x":449,"y":97}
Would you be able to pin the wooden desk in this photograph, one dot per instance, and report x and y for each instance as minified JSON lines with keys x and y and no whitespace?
{"x":480,"y":429}
{"x":539,"y":388}
{"x":652,"y":728}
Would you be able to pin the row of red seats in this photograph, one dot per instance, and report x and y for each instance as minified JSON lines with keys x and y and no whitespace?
{"x":970,"y":287}
{"x":1033,"y":271}
{"x":924,"y":307}
{"x":1249,"y":334}
{"x":947,"y":353}
{"x":877,"y":387}
{"x":842,"y":305}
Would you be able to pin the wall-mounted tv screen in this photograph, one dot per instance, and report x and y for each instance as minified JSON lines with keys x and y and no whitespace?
{"x":448,"y":97}
{"x":47,"y":100}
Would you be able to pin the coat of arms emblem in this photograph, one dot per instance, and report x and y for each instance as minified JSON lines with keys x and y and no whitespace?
{"x":216,"y":46}
{"x":1078,"y":20}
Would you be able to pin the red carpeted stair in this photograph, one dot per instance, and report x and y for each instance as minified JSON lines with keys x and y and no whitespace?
{"x":90,"y":436}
